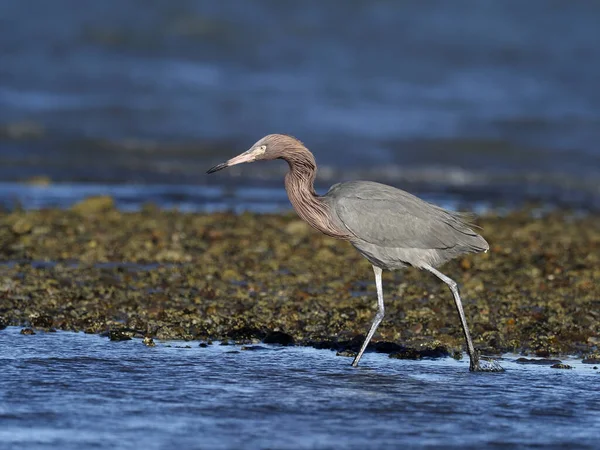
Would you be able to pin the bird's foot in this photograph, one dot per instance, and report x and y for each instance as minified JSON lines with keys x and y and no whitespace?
{"x":485,"y":364}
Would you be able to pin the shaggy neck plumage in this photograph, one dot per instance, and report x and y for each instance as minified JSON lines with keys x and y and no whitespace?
{"x":299,"y":184}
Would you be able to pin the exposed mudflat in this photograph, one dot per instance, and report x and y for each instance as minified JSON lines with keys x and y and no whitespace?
{"x":223,"y":276}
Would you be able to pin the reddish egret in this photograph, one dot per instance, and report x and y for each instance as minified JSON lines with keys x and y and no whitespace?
{"x":391,"y":228}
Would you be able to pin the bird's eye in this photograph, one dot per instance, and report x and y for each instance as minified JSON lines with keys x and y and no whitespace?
{"x":263,"y":147}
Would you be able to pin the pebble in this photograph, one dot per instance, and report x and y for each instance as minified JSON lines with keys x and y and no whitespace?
{"x":118,"y":335}
{"x":561,"y":366}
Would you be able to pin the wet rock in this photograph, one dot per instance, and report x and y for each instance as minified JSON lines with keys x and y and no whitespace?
{"x":325,"y":255}
{"x":118,"y":335}
{"x":278,"y":337}
{"x":466,"y":264}
{"x":353,"y":344}
{"x":22,"y":226}
{"x":347,"y":353}
{"x":297,"y":228}
{"x":321,"y":298}
{"x":591,"y":360}
{"x":27,"y":331}
{"x":3,"y":323}
{"x":202,"y":345}
{"x":149,"y":342}
{"x":230,"y":275}
{"x":94,"y":205}
{"x":41,"y":321}
{"x":246,"y":334}
{"x":412,"y":353}
{"x":541,"y":362}
{"x":252,"y":348}
{"x":561,"y":366}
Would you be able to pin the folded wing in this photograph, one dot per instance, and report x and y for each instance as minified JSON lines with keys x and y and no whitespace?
{"x":389,"y":217}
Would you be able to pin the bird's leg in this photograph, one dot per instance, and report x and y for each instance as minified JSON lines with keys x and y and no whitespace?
{"x":378,"y":316}
{"x":473,"y":356}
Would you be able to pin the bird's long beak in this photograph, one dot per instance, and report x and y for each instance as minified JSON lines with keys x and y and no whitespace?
{"x":245,"y":157}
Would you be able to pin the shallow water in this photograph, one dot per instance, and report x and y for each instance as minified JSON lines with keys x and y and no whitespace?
{"x":72,"y":390}
{"x":190,"y":198}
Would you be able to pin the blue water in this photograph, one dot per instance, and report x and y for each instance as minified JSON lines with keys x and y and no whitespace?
{"x":493,"y":99}
{"x":191,"y":198}
{"x":77,"y":391}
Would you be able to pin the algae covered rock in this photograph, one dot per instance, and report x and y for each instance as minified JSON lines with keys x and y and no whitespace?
{"x":226,"y":276}
{"x":94,"y":205}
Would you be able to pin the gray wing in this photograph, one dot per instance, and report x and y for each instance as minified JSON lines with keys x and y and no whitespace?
{"x":389,"y":217}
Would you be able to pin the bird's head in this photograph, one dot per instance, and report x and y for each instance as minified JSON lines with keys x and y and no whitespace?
{"x":272,"y":146}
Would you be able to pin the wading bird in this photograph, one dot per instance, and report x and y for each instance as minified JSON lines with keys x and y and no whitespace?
{"x":391,"y":228}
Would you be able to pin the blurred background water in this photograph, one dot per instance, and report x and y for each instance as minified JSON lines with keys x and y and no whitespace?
{"x":467,"y":103}
{"x":461,"y":101}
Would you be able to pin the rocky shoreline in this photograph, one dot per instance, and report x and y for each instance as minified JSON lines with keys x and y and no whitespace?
{"x":253,"y":277}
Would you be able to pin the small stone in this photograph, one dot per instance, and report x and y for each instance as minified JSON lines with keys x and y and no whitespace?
{"x":465,"y":264}
{"x":41,"y":321}
{"x":118,"y":335}
{"x":27,"y":331}
{"x":324,"y":254}
{"x":94,"y":205}
{"x":230,"y":274}
{"x":347,"y":353}
{"x":203,"y":345}
{"x":297,"y":227}
{"x":417,"y":328}
{"x":149,"y":342}
{"x":22,"y":226}
{"x":591,"y":360}
{"x":560,"y":366}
